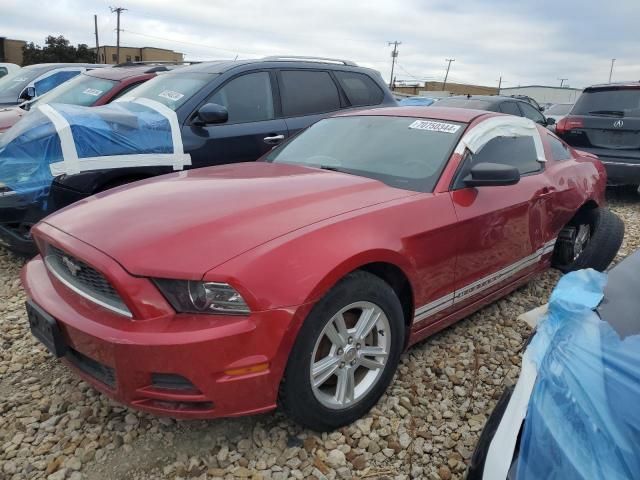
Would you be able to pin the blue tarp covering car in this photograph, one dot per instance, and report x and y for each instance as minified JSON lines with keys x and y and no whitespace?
{"x":579,"y":390}
{"x":416,"y":102}
{"x":62,"y":139}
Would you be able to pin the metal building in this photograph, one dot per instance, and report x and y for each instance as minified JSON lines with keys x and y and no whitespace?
{"x":544,"y":94}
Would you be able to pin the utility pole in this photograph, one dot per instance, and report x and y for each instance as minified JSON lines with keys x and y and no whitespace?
{"x":562,"y":80}
{"x":613,"y":60}
{"x":499,"y":84}
{"x":394,"y":55}
{"x":446,"y":75}
{"x":117,"y":11}
{"x":95,"y":23}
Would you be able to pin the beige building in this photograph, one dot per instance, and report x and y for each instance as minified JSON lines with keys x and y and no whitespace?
{"x":452,"y":89}
{"x":11,"y":50}
{"x":108,"y":54}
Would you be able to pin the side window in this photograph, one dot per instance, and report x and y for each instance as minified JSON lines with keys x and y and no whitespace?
{"x":52,"y":81}
{"x":3,"y":71}
{"x":308,"y":92}
{"x":530,"y":112}
{"x":559,"y":150}
{"x":359,"y":88}
{"x":247,"y":98}
{"x":519,"y":152}
{"x":511,"y":108}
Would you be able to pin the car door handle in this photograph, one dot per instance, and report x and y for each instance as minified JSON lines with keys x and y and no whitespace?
{"x":274,"y":140}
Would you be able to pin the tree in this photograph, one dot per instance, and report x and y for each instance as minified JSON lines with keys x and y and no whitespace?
{"x":56,"y":50}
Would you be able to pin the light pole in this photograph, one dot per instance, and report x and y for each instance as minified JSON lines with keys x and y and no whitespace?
{"x":613,"y":60}
{"x":446,"y":75}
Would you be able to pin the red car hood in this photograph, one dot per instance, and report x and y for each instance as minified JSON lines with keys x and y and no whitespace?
{"x":10,"y":116}
{"x":182,"y":225}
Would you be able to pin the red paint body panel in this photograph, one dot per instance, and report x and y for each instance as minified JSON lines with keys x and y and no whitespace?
{"x":283,"y":235}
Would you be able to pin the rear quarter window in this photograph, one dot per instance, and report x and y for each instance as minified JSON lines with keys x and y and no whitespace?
{"x":559,"y":151}
{"x":360,"y":89}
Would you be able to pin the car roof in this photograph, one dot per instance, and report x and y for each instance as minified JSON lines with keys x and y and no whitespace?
{"x":614,"y":85}
{"x":463,"y":115}
{"x":221,"y":66}
{"x":51,"y":66}
{"x":121,"y":73}
{"x":487,"y":98}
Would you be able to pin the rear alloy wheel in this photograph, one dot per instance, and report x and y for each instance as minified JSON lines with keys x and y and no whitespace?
{"x":345,"y":354}
{"x":591,"y":240}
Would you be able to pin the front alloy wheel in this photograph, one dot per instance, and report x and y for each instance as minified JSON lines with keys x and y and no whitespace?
{"x":345,"y":354}
{"x":350,"y":354}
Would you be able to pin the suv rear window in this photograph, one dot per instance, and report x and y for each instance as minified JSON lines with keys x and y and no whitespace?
{"x":614,"y":101}
{"x":308,"y":92}
{"x":359,"y":88}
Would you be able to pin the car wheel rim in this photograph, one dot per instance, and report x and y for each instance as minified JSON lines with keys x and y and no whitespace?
{"x":350,"y":355}
{"x":581,"y":240}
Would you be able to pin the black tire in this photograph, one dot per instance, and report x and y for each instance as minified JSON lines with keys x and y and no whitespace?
{"x":296,"y":397}
{"x":607,"y":232}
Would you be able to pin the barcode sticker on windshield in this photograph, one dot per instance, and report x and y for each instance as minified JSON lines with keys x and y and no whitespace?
{"x":435,"y":126}
{"x":92,"y":91}
{"x":171,"y":95}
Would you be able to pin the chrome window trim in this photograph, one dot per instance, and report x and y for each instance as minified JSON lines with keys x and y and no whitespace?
{"x":69,"y":285}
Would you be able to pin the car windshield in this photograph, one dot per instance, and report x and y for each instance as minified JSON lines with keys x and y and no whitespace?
{"x":12,"y":85}
{"x":171,"y":89}
{"x":559,"y":109}
{"x":614,"y":101}
{"x":403,"y":152}
{"x":84,"y":90}
{"x":463,"y":103}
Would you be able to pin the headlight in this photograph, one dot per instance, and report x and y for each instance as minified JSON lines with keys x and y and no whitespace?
{"x":188,"y":296}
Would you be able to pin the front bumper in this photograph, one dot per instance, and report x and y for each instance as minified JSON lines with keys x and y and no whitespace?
{"x":184,"y":366}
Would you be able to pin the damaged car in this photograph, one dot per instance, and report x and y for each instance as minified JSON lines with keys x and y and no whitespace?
{"x":297,"y":281}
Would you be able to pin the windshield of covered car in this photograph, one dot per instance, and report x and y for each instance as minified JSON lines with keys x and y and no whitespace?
{"x":84,"y":90}
{"x":11,"y":85}
{"x":172,"y":89}
{"x":613,"y":101}
{"x":403,"y":152}
{"x":559,"y":109}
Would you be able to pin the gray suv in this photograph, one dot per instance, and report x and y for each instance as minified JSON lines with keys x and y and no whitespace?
{"x":605,"y":121}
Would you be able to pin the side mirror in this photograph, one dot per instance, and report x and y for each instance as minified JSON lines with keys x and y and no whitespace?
{"x":492,"y":175}
{"x":27,"y":94}
{"x":211,"y":113}
{"x":551,"y":121}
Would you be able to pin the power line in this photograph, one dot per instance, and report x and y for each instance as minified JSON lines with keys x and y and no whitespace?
{"x":118,"y":11}
{"x":394,"y":55}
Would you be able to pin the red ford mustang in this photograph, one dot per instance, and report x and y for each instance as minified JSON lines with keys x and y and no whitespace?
{"x":299,"y":280}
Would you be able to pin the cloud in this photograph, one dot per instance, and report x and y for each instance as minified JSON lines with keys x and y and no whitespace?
{"x":525,"y":42}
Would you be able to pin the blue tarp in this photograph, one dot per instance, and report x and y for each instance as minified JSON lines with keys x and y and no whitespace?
{"x":33,"y":145}
{"x":583,"y":418}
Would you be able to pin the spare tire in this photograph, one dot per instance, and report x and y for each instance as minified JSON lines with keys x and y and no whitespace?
{"x":591,"y":240}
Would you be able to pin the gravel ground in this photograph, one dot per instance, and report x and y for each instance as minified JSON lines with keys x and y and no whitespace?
{"x":54,"y":426}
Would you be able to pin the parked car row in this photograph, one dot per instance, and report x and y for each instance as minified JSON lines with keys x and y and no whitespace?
{"x":224,"y":112}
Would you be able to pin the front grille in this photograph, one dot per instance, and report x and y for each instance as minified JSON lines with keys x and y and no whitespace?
{"x":84,"y":280}
{"x":92,"y":368}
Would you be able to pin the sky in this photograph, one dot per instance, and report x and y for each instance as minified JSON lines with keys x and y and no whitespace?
{"x":525,"y":42}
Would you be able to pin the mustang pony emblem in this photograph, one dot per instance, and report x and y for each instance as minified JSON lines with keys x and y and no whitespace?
{"x":71,"y":266}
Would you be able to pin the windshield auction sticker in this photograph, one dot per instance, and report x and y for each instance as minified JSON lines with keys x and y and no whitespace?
{"x":92,"y":91}
{"x":434,"y":126}
{"x":171,"y":95}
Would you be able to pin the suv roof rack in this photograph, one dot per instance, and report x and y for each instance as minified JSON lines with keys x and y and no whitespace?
{"x":284,"y":58}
